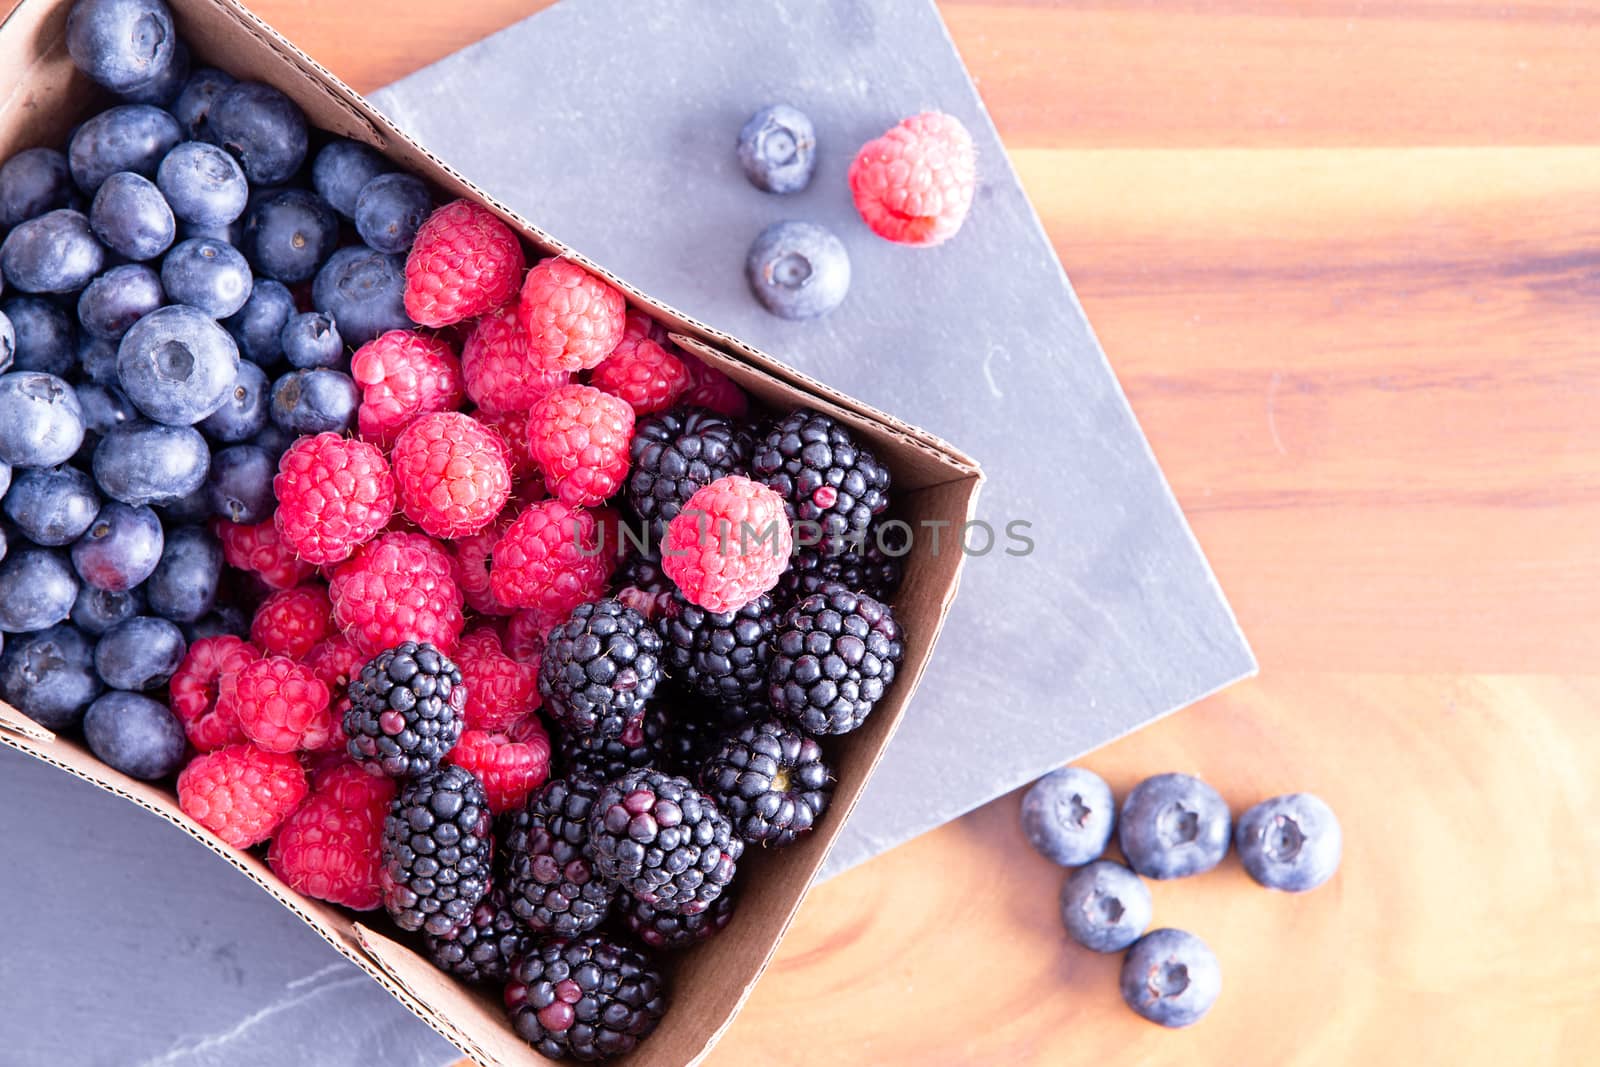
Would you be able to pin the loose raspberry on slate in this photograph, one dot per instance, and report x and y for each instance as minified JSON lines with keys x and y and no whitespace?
{"x":501,"y":375}
{"x":512,"y":426}
{"x":281,"y":705}
{"x":336,"y":660}
{"x":500,"y":690}
{"x":644,"y":374}
{"x":573,"y":319}
{"x":291,"y":621}
{"x":580,"y":436}
{"x":710,"y":388}
{"x":334,"y":493}
{"x":261,"y":550}
{"x":451,"y":474}
{"x":728,"y":545}
{"x":509,"y":769}
{"x":471,"y":555}
{"x":463,"y":262}
{"x":331,"y":852}
{"x":242,"y":792}
{"x":403,"y":374}
{"x":400,"y":587}
{"x":914,"y":184}
{"x":549,"y":558}
{"x":195,"y":687}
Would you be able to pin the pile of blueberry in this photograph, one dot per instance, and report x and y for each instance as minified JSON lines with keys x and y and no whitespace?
{"x":1171,"y":826}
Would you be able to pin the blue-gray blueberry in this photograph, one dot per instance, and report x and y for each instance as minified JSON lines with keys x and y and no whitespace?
{"x":131,"y":137}
{"x":258,"y":327}
{"x":32,"y":182}
{"x":117,"y":299}
{"x":1291,"y":842}
{"x":53,"y":253}
{"x":1068,"y":815}
{"x":151,"y":463}
{"x":192,"y":108}
{"x":37,"y":588}
{"x":342,"y":169}
{"x":245,"y":411}
{"x":120,"y":549}
{"x":311,"y":339}
{"x":364,"y":290}
{"x":798,"y":270}
{"x":390,"y":209}
{"x":177,"y":364}
{"x":1172,"y":826}
{"x":95,"y":611}
{"x":289,"y":234}
{"x":315,"y":401}
{"x":240,"y":484}
{"x":49,"y":676}
{"x":261,"y":128}
{"x":203,"y":184}
{"x":45,"y":338}
{"x":184,"y":584}
{"x":139,"y":654}
{"x":41,"y":422}
{"x":1105,"y":906}
{"x":1171,"y":978}
{"x":778,"y":149}
{"x":136,"y":735}
{"x":208,"y":275}
{"x":51,"y":506}
{"x":122,"y":44}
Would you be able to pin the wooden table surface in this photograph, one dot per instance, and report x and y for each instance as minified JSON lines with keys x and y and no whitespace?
{"x":1345,"y":258}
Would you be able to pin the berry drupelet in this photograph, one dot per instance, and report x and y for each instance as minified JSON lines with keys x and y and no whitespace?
{"x":587,"y":999}
{"x":483,"y":949}
{"x":720,"y":655}
{"x":673,"y":454}
{"x":436,"y":852}
{"x":664,"y":841}
{"x":826,"y":478}
{"x":834,"y":657}
{"x":406,"y":712}
{"x":550,"y":875}
{"x":600,"y":668}
{"x":770,"y":780}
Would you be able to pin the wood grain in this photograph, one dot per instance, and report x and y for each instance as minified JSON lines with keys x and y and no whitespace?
{"x":1345,"y":257}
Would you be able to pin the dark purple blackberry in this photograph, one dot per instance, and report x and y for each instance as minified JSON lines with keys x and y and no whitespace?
{"x":874,"y":572}
{"x":588,"y":999}
{"x":482,"y":950}
{"x":663,"y":841}
{"x":600,"y":668}
{"x":770,"y":780}
{"x":436,"y":852}
{"x":662,"y":930}
{"x":642,"y":743}
{"x":406,"y":710}
{"x":641,"y":584}
{"x":834,"y":656}
{"x":828,"y":479}
{"x":723,"y":656}
{"x":553,"y":886}
{"x":675,"y":453}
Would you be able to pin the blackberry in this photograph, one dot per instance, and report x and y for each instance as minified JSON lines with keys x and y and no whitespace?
{"x":720,"y":655}
{"x":872,"y":571}
{"x":827,"y":478}
{"x":663,"y":840}
{"x":550,"y":876}
{"x":482,"y":950}
{"x":600,"y":667}
{"x":588,"y":998}
{"x":406,"y":710}
{"x":436,"y":852}
{"x":641,"y":584}
{"x":770,"y":780}
{"x":834,"y":657}
{"x":642,"y":743}
{"x":664,"y":930}
{"x":675,"y":453}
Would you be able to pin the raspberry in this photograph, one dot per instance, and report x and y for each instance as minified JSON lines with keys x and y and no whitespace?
{"x":500,"y":690}
{"x":450,"y":473}
{"x":710,"y":388}
{"x":500,"y":374}
{"x":291,"y":621}
{"x":281,"y":705}
{"x":580,"y":436}
{"x":636,"y":325}
{"x":464,"y":261}
{"x":728,"y":545}
{"x":549,"y":558}
{"x":509,"y":769}
{"x":260,"y":549}
{"x":336,"y":661}
{"x":471,"y":555}
{"x":194,"y":690}
{"x":526,"y":635}
{"x":512,"y":426}
{"x":331,"y":852}
{"x":348,"y":782}
{"x":397,"y":588}
{"x":644,"y":374}
{"x":241,"y":793}
{"x":403,"y":374}
{"x":334,"y":493}
{"x":914,"y":184}
{"x":573,"y":319}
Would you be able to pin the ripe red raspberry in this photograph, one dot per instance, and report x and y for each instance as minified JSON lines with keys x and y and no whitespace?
{"x":403,"y":374}
{"x":195,"y":687}
{"x":526,"y":634}
{"x":710,"y":388}
{"x":281,"y":705}
{"x":509,"y":769}
{"x":637,"y":325}
{"x":471,"y":555}
{"x":500,"y":690}
{"x":397,"y":588}
{"x":336,"y":661}
{"x":353,"y":786}
{"x":241,"y":793}
{"x":291,"y":621}
{"x":334,"y":493}
{"x":512,"y":426}
{"x":644,"y":374}
{"x":549,"y":558}
{"x":330,"y":852}
{"x":914,"y":184}
{"x":451,"y":473}
{"x":260,"y":549}
{"x":573,"y":319}
{"x":501,"y":375}
{"x":728,"y":545}
{"x":580,"y":436}
{"x":464,"y":261}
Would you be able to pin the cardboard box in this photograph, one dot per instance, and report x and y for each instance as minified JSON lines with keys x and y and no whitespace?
{"x":42,"y":95}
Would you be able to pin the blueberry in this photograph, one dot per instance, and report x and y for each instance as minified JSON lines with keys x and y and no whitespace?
{"x":208,"y":275}
{"x":32,"y":182}
{"x":131,"y":137}
{"x":54,"y":253}
{"x":119,"y":298}
{"x":37,"y":588}
{"x":120,"y":548}
{"x":97,"y":610}
{"x":1173,"y":825}
{"x":41,"y":422}
{"x":121,"y":43}
{"x":1105,"y":906}
{"x":148,"y":463}
{"x":105,"y":407}
{"x":97,"y":359}
{"x":141,"y":653}
{"x":1068,"y":815}
{"x":778,"y":149}
{"x":177,"y":364}
{"x":290,"y":234}
{"x":364,"y":290}
{"x":163,"y":89}
{"x":184,"y":585}
{"x":5,"y":484}
{"x":274,"y":440}
{"x":240,"y":484}
{"x":262,"y":129}
{"x":798,"y":270}
{"x":244,"y":413}
{"x":1291,"y":842}
{"x":258,"y":327}
{"x":203,"y":184}
{"x":342,"y":169}
{"x":187,"y":510}
{"x":192,"y":109}
{"x":227,"y":619}
{"x":8,"y":343}
{"x":311,"y":339}
{"x":45,"y":338}
{"x":135,"y":735}
{"x":315,"y":401}
{"x":52,"y":506}
{"x":132,"y":217}
{"x":390,"y":209}
{"x":1170,"y":977}
{"x":49,"y":676}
